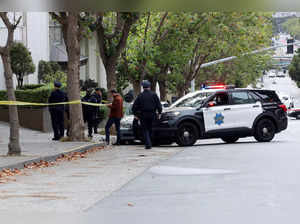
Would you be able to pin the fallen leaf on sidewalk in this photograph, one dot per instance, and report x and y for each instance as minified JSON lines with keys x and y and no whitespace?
{"x":131,"y":205}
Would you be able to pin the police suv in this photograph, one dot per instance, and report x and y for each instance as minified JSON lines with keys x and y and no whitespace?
{"x":228,"y":114}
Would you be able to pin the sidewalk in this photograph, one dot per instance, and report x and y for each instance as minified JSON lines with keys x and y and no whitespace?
{"x":34,"y":145}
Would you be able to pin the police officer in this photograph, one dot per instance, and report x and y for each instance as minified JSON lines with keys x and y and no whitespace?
{"x":57,"y":111}
{"x":144,"y":108}
{"x":96,"y":97}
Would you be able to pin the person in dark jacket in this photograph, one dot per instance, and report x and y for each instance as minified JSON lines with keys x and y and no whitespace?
{"x":93,"y":117}
{"x":57,"y":111}
{"x":91,"y":113}
{"x":145,"y":108}
{"x":115,"y":116}
{"x":86,"y":108}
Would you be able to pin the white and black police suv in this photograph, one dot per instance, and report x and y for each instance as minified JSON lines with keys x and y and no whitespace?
{"x":228,"y":114}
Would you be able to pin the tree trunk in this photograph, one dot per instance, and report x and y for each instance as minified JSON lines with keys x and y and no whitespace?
{"x":73,"y":87}
{"x":14,"y":144}
{"x":136,"y":88}
{"x":163,"y":89}
{"x":111,"y":78}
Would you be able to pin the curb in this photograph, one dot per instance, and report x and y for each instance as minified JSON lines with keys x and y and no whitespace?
{"x":51,"y":158}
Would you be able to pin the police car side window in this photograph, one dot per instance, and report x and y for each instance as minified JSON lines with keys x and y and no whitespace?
{"x":221,"y":99}
{"x":242,"y":98}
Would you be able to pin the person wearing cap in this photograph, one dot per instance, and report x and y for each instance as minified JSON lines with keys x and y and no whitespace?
{"x":145,"y":108}
{"x":57,"y":111}
{"x":115,"y":116}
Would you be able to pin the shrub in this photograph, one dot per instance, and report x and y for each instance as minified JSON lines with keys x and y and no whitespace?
{"x":32,"y":86}
{"x":21,"y":62}
{"x":57,"y":76}
{"x":39,"y":95}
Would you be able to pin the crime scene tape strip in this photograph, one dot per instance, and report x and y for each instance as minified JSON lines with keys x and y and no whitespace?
{"x":20,"y":103}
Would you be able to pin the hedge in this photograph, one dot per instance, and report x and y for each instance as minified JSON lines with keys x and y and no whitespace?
{"x":40,"y":95}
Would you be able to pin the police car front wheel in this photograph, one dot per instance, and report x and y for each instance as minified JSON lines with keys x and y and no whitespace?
{"x":265,"y":130}
{"x":187,"y":134}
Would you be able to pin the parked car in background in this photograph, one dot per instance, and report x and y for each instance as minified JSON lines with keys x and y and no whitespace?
{"x":289,"y":101}
{"x":295,"y":113}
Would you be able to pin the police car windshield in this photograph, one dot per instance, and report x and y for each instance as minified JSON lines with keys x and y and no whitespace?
{"x":195,"y":100}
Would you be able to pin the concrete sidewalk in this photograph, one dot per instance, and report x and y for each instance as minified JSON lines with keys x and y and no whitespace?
{"x":34,"y":145}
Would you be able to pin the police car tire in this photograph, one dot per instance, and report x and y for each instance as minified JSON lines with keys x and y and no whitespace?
{"x":230,"y":139}
{"x":193,"y":130}
{"x":259,"y":135}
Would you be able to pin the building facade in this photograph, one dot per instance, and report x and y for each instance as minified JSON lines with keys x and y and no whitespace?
{"x":39,"y":33}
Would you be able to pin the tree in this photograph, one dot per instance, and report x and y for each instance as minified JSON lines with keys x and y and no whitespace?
{"x":294,"y":68}
{"x":21,"y":62}
{"x":112,"y":30}
{"x":14,"y":147}
{"x":73,"y":31}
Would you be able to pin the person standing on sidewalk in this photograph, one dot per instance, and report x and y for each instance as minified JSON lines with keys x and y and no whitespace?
{"x":96,"y":97}
{"x":115,"y":116}
{"x":57,"y":111}
{"x":144,"y":108}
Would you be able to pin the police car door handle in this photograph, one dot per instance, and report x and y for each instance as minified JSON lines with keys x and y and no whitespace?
{"x":228,"y":108}
{"x":255,"y":106}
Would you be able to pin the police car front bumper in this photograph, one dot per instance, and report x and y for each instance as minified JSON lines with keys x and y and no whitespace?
{"x":165,"y":129}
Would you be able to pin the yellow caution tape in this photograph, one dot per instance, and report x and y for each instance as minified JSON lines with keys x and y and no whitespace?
{"x":20,"y":103}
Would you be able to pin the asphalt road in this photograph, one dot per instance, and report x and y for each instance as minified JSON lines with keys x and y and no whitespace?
{"x":212,"y":182}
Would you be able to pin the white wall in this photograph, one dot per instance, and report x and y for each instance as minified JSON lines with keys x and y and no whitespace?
{"x":33,"y":32}
{"x":37,"y":40}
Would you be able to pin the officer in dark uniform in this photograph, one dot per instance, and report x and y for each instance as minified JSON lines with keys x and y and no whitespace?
{"x":93,"y":118}
{"x":57,"y":111}
{"x":144,"y":108}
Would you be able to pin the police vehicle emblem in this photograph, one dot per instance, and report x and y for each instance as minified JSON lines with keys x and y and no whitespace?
{"x":219,"y":119}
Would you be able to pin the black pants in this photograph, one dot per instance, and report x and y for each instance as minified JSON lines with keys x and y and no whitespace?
{"x":108,"y":125}
{"x":57,"y":118}
{"x":93,"y":126}
{"x":146,"y":123}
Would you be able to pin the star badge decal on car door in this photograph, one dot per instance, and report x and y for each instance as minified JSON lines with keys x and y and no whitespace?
{"x":219,"y":119}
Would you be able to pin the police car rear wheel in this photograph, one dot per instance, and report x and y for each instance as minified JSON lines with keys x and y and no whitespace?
{"x":230,"y":139}
{"x":187,"y":134}
{"x":265,"y":130}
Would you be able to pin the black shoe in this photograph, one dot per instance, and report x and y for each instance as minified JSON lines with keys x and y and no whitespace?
{"x":55,"y":139}
{"x":148,"y":147}
{"x":90,"y":135}
{"x":95,"y":132}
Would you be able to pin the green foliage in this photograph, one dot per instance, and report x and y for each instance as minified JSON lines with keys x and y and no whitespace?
{"x":104,"y":112}
{"x":32,"y":86}
{"x":46,"y":69}
{"x":59,"y":76}
{"x":294,"y":68}
{"x":21,"y":62}
{"x":39,"y":95}
{"x":292,"y":26}
{"x":199,"y":37}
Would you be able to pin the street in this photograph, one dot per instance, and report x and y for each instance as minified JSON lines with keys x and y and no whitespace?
{"x":211,"y":182}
